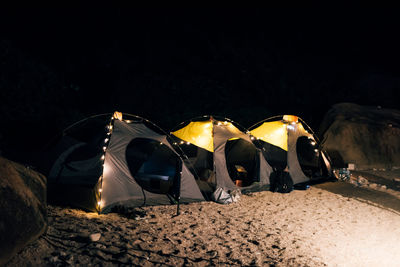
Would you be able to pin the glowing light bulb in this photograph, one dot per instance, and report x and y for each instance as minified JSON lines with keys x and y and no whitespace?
{"x":103,"y":157}
{"x":316,"y":150}
{"x":161,"y":143}
{"x":104,"y":148}
{"x":181,"y":142}
{"x":106,"y":140}
{"x":99,"y":203}
{"x":219,"y":123}
{"x":100,"y":190}
{"x":188,"y":143}
{"x":313,"y":143}
{"x":252,"y":138}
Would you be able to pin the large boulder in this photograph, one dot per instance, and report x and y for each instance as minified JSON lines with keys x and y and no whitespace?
{"x":367,"y":136}
{"x":23,"y":216}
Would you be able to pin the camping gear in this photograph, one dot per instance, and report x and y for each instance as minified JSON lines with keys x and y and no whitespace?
{"x":217,"y":146}
{"x":287,"y":142}
{"x":101,"y":163}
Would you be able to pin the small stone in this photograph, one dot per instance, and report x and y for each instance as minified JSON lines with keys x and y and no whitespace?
{"x":373,"y":186}
{"x":95,"y":237}
{"x":383,"y":187}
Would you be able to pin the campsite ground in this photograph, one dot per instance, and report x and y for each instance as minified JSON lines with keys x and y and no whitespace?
{"x":331,"y":224}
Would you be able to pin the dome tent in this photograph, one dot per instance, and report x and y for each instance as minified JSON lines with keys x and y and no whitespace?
{"x":288,"y":142}
{"x":222,"y":156}
{"x":102,"y":162}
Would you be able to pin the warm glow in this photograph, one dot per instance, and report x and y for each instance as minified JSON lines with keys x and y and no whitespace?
{"x":118,"y":115}
{"x":274,"y":132}
{"x":290,"y":118}
{"x":290,"y":127}
{"x":197,"y":133}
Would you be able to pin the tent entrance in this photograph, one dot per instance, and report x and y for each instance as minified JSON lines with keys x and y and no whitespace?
{"x":242,"y":162}
{"x":154,"y":166}
{"x":310,"y":158}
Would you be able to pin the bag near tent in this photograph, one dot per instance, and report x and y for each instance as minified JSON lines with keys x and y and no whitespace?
{"x":129,"y":162}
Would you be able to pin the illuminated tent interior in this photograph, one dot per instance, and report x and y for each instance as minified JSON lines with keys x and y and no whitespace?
{"x":287,"y":142}
{"x":106,"y":161}
{"x":221,"y":155}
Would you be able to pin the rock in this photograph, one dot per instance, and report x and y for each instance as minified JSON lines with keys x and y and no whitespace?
{"x":373,"y":186}
{"x":360,"y":135}
{"x":23,"y":207}
{"x":95,"y":237}
{"x":362,"y":181}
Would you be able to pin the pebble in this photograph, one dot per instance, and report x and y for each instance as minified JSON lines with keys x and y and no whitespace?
{"x":95,"y":237}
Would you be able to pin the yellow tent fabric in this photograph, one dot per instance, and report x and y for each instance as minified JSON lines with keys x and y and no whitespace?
{"x":274,"y":132}
{"x":198,"y":133}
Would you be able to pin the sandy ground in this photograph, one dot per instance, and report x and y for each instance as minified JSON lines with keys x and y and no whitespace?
{"x":314,"y":227}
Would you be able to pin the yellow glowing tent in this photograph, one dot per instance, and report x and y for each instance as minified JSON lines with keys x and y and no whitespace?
{"x":219,"y":147}
{"x":287,"y":144}
{"x":273,"y":133}
{"x":198,"y":133}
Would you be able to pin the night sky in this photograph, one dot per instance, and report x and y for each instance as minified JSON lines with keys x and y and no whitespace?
{"x":169,"y":65}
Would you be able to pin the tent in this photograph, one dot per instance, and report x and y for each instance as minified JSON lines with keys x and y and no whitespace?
{"x":288,"y":142}
{"x":100,"y":163}
{"x":222,"y":156}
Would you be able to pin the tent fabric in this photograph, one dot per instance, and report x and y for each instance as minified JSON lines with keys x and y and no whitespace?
{"x":100,"y":177}
{"x":119,"y":185}
{"x":286,"y":134}
{"x":218,"y":134}
{"x":272,"y":132}
{"x":198,"y":133}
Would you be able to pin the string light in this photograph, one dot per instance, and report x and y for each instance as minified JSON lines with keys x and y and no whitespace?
{"x":100,"y":190}
{"x":106,"y":140}
{"x":103,"y":157}
{"x":104,"y":148}
{"x":290,"y":127}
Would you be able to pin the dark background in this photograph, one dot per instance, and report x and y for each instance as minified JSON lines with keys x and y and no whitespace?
{"x":168,"y":65}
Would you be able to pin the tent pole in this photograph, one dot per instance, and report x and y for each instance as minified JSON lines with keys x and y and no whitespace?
{"x":178,"y":212}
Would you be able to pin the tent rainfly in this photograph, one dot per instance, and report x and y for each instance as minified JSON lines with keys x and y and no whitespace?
{"x":222,"y":156}
{"x":287,"y":142}
{"x":130,"y":162}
